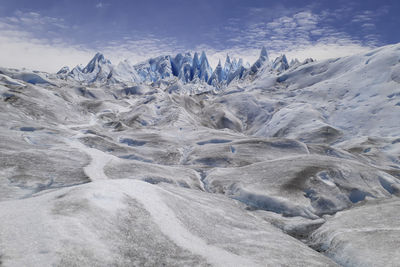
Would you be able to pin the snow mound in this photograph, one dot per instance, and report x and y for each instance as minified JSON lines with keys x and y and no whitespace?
{"x":141,"y":224}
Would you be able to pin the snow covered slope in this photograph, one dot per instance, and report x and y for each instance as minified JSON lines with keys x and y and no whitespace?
{"x":152,"y":164}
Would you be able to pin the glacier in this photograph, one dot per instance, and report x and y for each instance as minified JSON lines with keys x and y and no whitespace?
{"x":183,"y":67}
{"x":169,"y":162}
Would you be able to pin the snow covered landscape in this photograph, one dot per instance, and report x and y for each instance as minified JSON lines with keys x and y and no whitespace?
{"x":170,"y":162}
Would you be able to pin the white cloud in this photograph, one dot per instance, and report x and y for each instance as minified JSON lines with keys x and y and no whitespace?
{"x":368,"y":26}
{"x":20,"y":47}
{"x":300,"y":34}
{"x":33,"y":21}
{"x":323,"y":51}
{"x":365,"y":16}
{"x":319,"y":51}
{"x":22,"y":52}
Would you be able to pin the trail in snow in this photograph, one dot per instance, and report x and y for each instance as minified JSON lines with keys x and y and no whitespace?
{"x":95,"y":169}
{"x":171,"y":226}
{"x":99,"y":159}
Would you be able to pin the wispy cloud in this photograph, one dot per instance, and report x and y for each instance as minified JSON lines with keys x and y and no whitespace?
{"x":26,"y":40}
{"x":365,"y":16}
{"x":369,"y":15}
{"x":141,"y":48}
{"x":33,"y":40}
{"x":23,"y":44}
{"x":304,"y":33}
{"x":33,"y":21}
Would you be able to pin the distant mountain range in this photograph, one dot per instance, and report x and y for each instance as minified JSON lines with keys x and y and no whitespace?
{"x":186,"y":67}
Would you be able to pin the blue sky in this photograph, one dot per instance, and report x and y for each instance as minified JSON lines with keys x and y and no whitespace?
{"x":46,"y":34}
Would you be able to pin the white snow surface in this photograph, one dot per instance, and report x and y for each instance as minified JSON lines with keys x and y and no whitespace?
{"x":138,"y":165}
{"x":62,"y":229}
